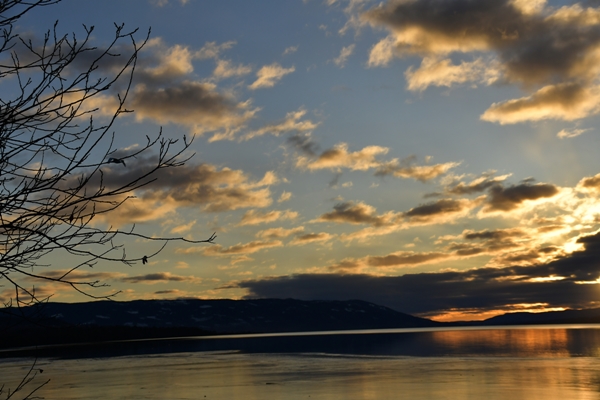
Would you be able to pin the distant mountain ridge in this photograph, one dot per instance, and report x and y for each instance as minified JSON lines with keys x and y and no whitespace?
{"x":230,"y":316}
{"x":587,"y":316}
{"x":61,"y":323}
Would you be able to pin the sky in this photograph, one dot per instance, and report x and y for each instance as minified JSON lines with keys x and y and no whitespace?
{"x":436,"y":157}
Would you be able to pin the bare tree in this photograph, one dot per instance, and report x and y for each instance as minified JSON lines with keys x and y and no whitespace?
{"x":54,"y":154}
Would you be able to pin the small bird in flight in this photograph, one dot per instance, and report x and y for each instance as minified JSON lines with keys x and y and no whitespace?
{"x":144,"y":260}
{"x":113,"y":160}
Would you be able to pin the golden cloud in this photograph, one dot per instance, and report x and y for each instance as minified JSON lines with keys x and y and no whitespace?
{"x":246,"y":248}
{"x":269,"y":75}
{"x":567,"y":101}
{"x":278,"y":233}
{"x":339,"y":157}
{"x":528,"y":42}
{"x":253,"y":217}
{"x":311,"y":238}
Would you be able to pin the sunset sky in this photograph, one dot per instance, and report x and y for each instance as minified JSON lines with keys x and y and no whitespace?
{"x":437,"y":157}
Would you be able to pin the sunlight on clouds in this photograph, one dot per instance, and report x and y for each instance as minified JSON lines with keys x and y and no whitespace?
{"x":290,"y":50}
{"x":278,"y":233}
{"x":339,"y":157}
{"x":346,"y":52}
{"x":441,"y":72}
{"x":195,"y":105}
{"x":182,"y":265}
{"x":551,"y":278}
{"x":590,"y":183}
{"x":382,"y":53}
{"x":166,"y":91}
{"x":406,"y":169}
{"x":504,"y":199}
{"x":556,"y":47}
{"x":183,"y":228}
{"x":245,"y":248}
{"x":285,"y":196}
{"x":225,"y":69}
{"x":269,"y":75}
{"x":293,"y":122}
{"x":308,"y":238}
{"x":160,"y":277}
{"x":357,"y":213}
{"x":253,"y":217}
{"x":176,"y":61}
{"x":569,"y":101}
{"x":571,"y":133}
{"x":213,"y":50}
{"x":203,"y":186}
{"x":575,"y":14}
{"x":529,"y":6}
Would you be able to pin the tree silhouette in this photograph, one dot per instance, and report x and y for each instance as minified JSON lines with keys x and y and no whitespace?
{"x":54,"y":155}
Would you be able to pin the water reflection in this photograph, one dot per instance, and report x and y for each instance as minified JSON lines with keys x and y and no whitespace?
{"x":510,"y":342}
{"x":327,"y":377}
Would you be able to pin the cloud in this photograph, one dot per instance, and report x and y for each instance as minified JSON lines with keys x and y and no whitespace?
{"x":383,"y":52}
{"x":253,"y":217}
{"x":477,"y":185}
{"x":441,"y":72}
{"x":590,"y":183}
{"x":346,"y":52}
{"x":238,"y":249}
{"x":278,"y":233}
{"x":162,"y":3}
{"x":545,"y":42}
{"x":321,"y":237}
{"x":79,"y":275}
{"x":505,"y":199}
{"x":292,"y":122}
{"x":304,"y":143}
{"x":356,"y":213}
{"x":196,"y":105}
{"x":439,"y":211}
{"x":400,"y":259}
{"x":406,"y":169}
{"x":202,"y":186}
{"x":571,"y":133}
{"x":225,"y":69}
{"x":269,"y":75}
{"x":567,"y":101}
{"x":527,"y":43}
{"x":160,"y":277}
{"x":290,"y":50}
{"x":495,"y":234}
{"x":285,"y":196}
{"x":557,"y":283}
{"x":183,"y":228}
{"x":166,"y":91}
{"x":213,"y":50}
{"x":339,"y":157}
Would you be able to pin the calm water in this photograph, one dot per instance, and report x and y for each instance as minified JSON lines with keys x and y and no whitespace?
{"x":528,"y":363}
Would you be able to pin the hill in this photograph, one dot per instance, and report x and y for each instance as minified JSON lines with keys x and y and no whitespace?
{"x":588,"y":316}
{"x":53,"y":323}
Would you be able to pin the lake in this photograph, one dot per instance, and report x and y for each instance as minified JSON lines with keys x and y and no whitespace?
{"x":534,"y":362}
